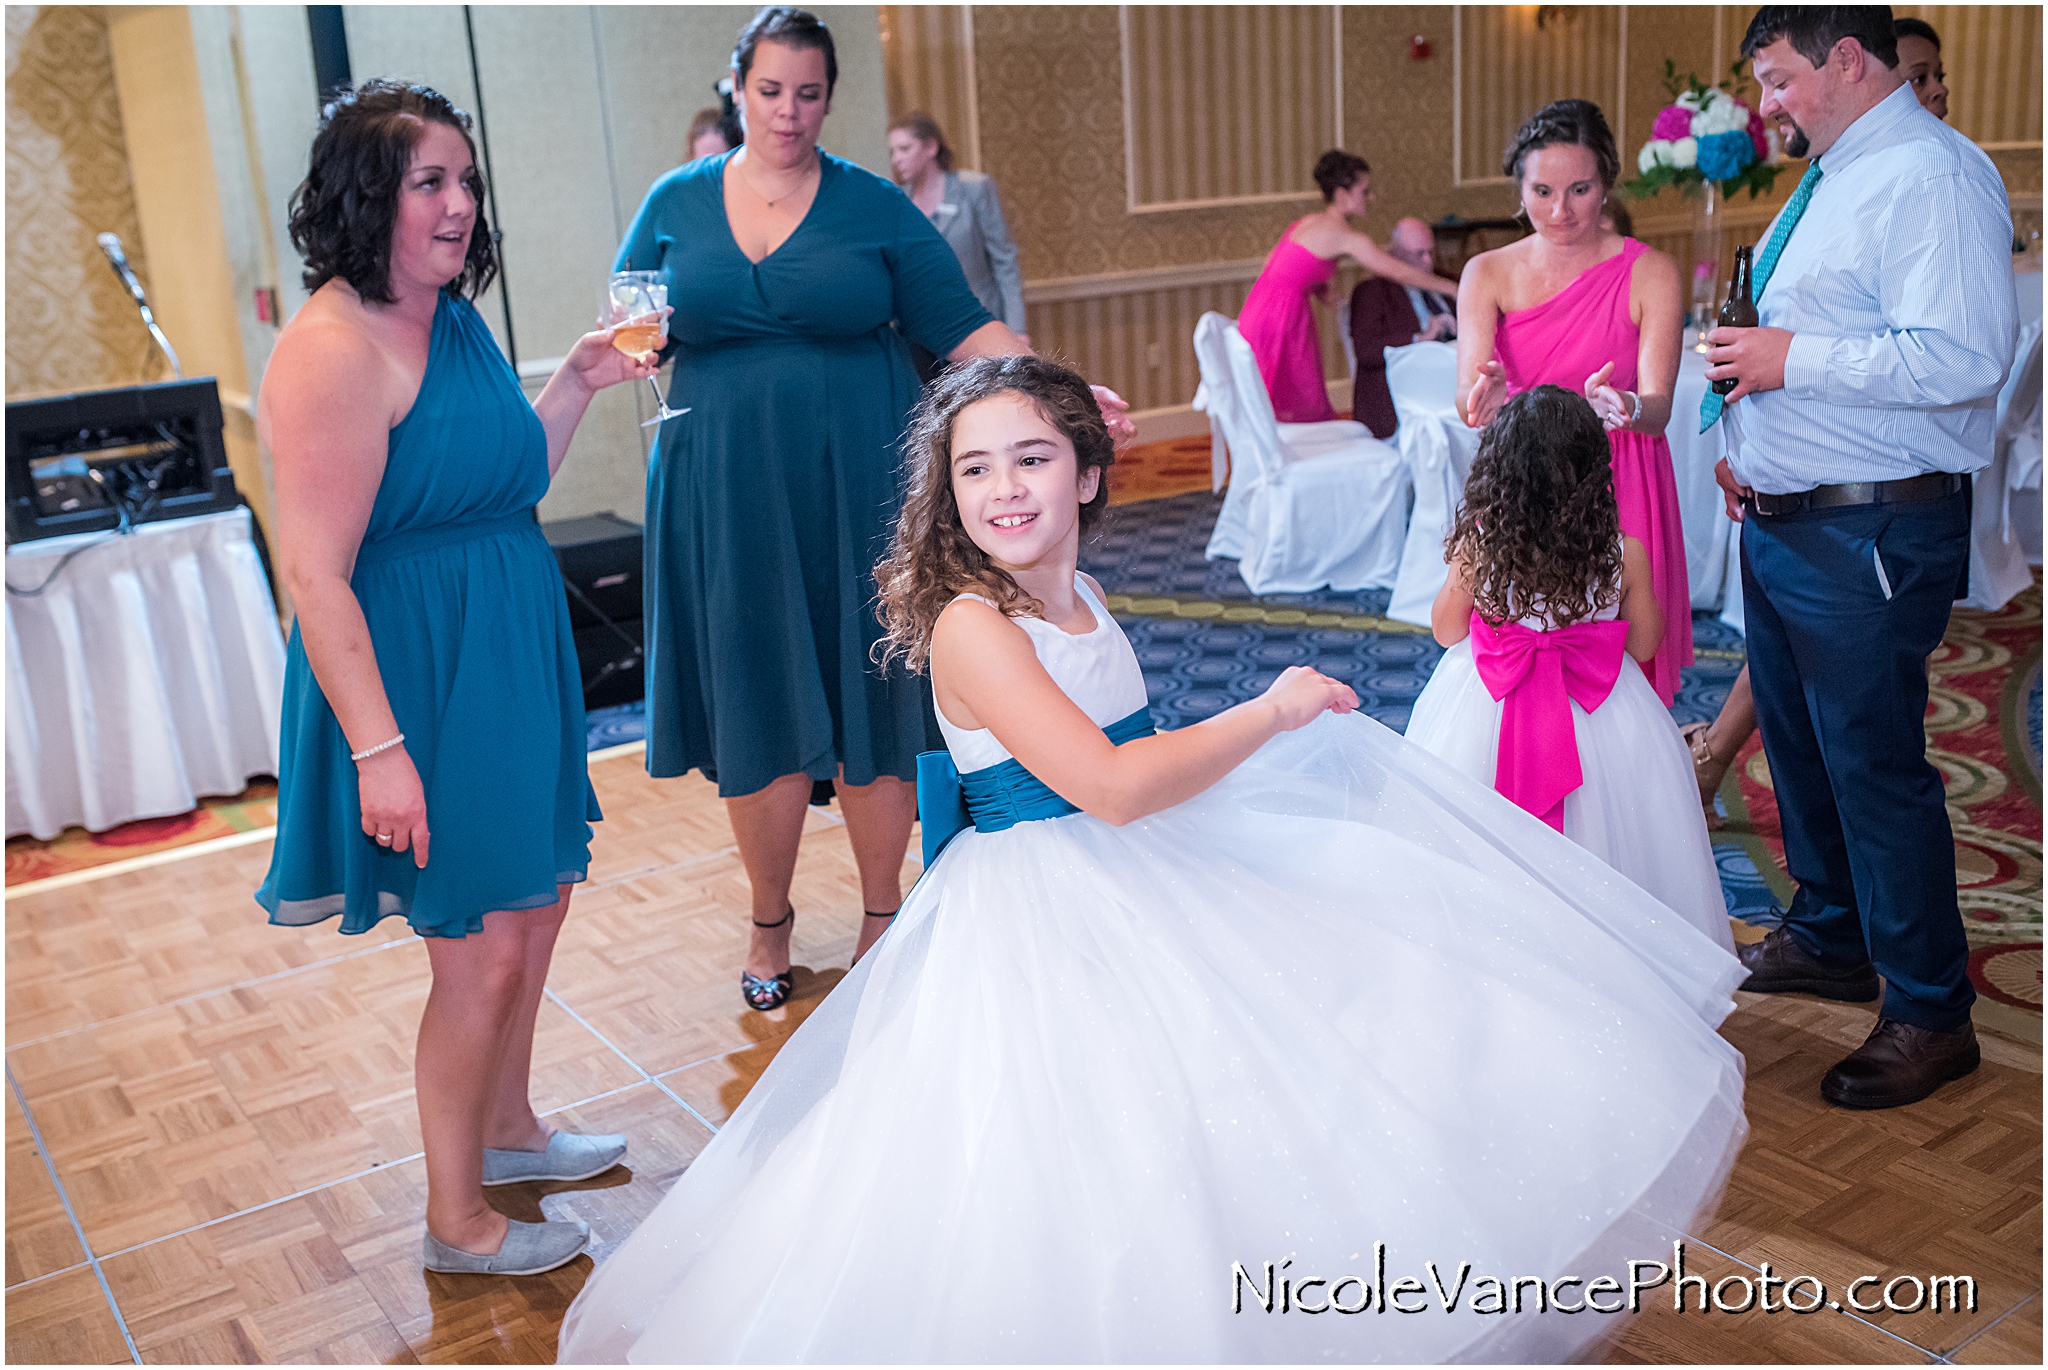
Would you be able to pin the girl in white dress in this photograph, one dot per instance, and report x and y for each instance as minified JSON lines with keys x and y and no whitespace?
{"x":1543,"y":585}
{"x":1184,"y":1020}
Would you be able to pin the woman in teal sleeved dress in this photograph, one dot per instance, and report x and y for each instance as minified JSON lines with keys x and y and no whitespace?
{"x":769,"y":503}
{"x":433,"y":738}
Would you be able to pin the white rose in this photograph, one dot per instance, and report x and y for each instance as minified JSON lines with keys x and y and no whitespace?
{"x":1685,"y":153}
{"x":1691,"y":101}
{"x":1655,"y":153}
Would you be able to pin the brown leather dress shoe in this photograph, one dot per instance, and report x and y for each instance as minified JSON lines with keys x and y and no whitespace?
{"x":1900,"y":1063}
{"x":1779,"y":965}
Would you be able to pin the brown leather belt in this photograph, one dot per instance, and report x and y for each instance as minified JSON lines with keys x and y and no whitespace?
{"x":1913,"y":490}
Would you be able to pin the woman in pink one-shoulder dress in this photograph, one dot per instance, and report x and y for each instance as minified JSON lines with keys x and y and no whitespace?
{"x":1277,"y":321}
{"x":1580,"y":306}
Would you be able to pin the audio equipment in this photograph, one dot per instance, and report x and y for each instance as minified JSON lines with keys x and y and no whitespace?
{"x":104,"y":458}
{"x":111,"y":245}
{"x":600,"y":560}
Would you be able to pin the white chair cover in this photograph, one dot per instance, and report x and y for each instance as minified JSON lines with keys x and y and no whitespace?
{"x":1438,"y":449}
{"x":1998,"y":563}
{"x":1310,"y":504}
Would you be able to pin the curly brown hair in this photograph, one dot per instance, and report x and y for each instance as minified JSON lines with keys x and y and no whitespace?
{"x":342,"y":213}
{"x":1539,"y":530}
{"x":931,"y":558}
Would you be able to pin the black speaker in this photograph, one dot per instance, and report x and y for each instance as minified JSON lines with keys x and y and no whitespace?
{"x":600,"y":560}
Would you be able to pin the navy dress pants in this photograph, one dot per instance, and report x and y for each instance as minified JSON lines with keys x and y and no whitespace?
{"x":1843,"y":607}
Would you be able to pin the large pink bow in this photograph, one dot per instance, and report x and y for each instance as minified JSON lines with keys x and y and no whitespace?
{"x":1537,"y":675}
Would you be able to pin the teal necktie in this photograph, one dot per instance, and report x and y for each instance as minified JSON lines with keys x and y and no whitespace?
{"x":1710,"y":407}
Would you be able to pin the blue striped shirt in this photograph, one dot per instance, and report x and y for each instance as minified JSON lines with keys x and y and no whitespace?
{"x":1897,"y":284}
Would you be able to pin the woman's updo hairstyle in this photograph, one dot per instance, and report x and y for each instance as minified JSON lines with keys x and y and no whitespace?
{"x":1578,"y":123}
{"x":791,"y":27}
{"x":342,"y":213}
{"x":1338,"y":170}
{"x":925,"y":129}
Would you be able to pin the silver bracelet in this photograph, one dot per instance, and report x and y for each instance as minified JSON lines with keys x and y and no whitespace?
{"x":380,"y":747}
{"x":1637,"y":411}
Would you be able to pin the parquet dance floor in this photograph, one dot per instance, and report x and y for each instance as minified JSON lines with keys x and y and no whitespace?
{"x":212,"y":1153}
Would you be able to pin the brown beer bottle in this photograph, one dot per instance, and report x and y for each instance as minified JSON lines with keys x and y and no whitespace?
{"x":1740,"y":310}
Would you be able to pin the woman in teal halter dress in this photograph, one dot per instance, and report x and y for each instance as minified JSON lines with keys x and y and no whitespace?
{"x":433,"y":737}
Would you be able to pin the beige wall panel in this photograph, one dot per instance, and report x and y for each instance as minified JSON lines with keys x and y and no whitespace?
{"x":70,"y":325}
{"x":1510,"y":67}
{"x":284,"y":101}
{"x":1992,"y":54}
{"x":928,"y":65}
{"x":1227,"y":102}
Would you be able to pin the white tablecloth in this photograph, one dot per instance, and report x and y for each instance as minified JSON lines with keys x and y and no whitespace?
{"x":149,"y":672}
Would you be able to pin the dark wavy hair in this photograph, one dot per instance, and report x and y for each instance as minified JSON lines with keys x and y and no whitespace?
{"x":1813,"y":30}
{"x":931,"y":558}
{"x":1539,"y":530}
{"x":1577,"y":123}
{"x":791,"y":27}
{"x":1338,"y":170}
{"x":343,"y":212}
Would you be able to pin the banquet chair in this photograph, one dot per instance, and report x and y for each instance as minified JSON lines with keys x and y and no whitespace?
{"x":1310,"y":504}
{"x":1438,"y":449}
{"x":1998,"y":555}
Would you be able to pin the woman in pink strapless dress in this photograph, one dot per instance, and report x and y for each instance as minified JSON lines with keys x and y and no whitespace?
{"x":1577,"y":305}
{"x":1277,"y":321}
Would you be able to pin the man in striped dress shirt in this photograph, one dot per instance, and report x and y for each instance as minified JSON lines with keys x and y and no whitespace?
{"x":1865,"y":399}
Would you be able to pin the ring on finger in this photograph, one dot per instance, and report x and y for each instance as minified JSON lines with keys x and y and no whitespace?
{"x":384,"y":838}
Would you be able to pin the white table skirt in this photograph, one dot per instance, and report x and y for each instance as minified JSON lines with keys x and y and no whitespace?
{"x":149,"y":672}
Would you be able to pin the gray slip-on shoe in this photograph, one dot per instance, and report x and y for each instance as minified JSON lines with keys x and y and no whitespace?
{"x":529,"y":1249}
{"x":570,"y":1156}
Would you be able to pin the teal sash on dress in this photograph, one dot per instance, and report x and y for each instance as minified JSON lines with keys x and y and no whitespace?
{"x":995,"y":797}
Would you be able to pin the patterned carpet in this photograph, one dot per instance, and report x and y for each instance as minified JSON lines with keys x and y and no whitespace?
{"x":75,"y":849}
{"x":1984,"y":734}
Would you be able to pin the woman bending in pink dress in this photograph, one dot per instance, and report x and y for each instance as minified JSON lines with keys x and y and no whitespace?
{"x":1580,"y":306}
{"x":1277,"y":320}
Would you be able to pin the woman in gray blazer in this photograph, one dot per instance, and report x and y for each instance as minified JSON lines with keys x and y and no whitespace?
{"x":962,"y":205}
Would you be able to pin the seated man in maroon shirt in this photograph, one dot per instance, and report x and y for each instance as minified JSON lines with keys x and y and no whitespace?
{"x":1387,"y":314}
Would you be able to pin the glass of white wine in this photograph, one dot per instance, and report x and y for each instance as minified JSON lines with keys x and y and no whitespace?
{"x":635,"y":307}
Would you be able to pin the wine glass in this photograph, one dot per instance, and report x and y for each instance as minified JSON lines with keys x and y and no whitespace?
{"x":635,"y":307}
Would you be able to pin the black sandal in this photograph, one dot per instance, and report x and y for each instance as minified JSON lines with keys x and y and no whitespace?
{"x":763,"y":994}
{"x":865,"y":914}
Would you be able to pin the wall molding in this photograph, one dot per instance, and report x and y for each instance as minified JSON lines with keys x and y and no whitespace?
{"x":1053,"y":289}
{"x":1131,"y":202}
{"x":968,"y":75}
{"x":1617,"y":118}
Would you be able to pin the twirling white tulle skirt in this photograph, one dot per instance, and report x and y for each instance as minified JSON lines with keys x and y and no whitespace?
{"x":1344,"y":997}
{"x":1639,"y":806}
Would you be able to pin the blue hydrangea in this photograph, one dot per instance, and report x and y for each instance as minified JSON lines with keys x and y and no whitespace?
{"x":1722,"y":156}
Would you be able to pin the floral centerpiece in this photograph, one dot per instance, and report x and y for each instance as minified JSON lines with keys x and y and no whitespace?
{"x":1705,"y":136}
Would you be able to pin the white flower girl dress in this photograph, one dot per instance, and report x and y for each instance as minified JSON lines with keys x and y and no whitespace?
{"x":1638,"y":806}
{"x":1344,"y":997}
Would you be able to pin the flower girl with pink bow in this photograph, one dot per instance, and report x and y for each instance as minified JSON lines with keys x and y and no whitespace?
{"x":1549,"y":613}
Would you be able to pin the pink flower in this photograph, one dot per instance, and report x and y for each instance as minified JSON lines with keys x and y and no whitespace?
{"x":1673,"y":122}
{"x":1756,"y":135}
